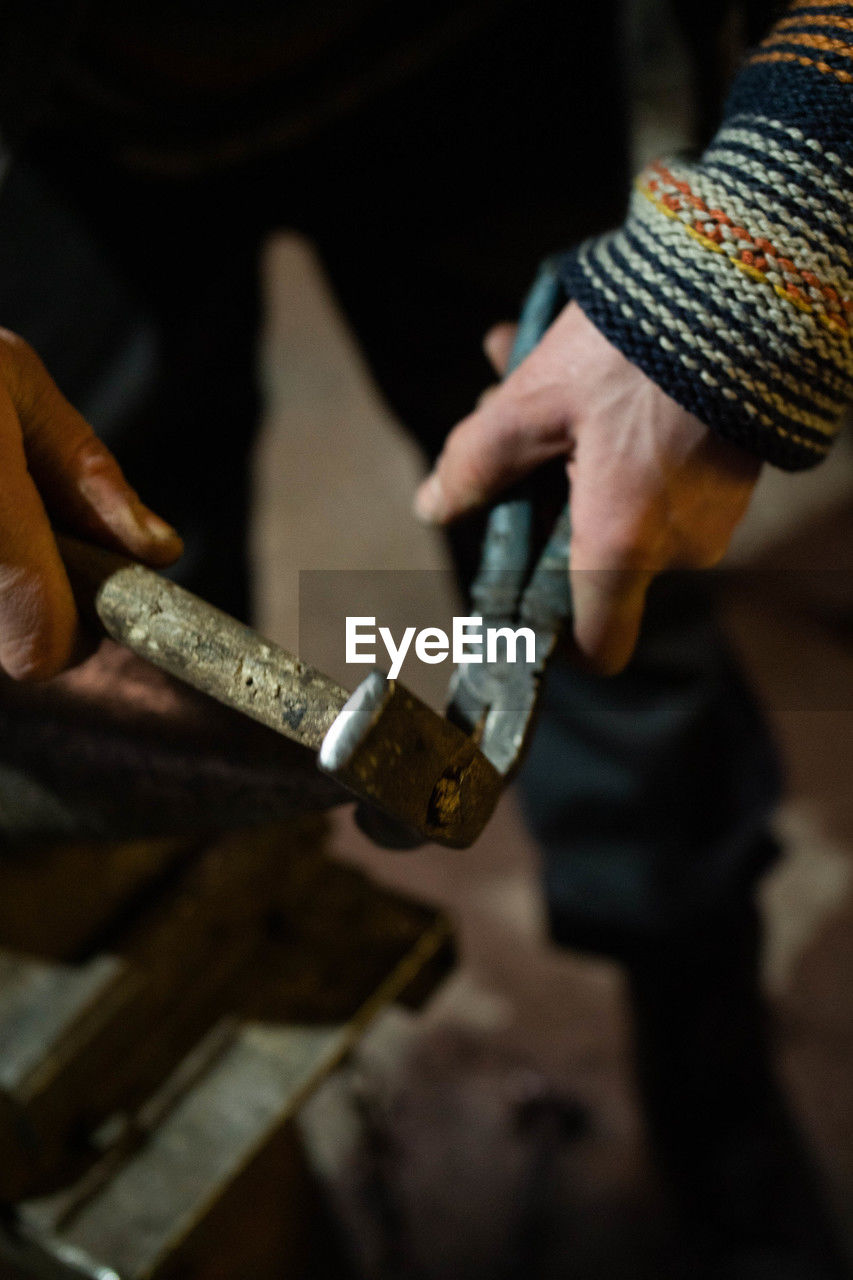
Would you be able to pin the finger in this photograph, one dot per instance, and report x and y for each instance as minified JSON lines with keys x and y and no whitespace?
{"x":79,"y":479}
{"x":498,"y":344}
{"x":608,"y":612}
{"x":38,"y":619}
{"x":511,"y":434}
{"x":613,"y":559}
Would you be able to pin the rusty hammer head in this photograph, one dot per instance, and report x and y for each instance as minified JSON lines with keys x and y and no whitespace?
{"x":422,"y":777}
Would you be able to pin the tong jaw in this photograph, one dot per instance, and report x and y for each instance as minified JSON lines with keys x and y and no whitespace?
{"x":496,"y":702}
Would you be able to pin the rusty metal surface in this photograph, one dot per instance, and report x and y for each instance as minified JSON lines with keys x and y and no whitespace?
{"x":117,"y":749}
{"x":422,"y":771}
{"x":189,"y":638}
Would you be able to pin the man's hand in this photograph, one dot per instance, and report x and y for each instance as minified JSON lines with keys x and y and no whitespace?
{"x":651,"y":487}
{"x":53,"y":467}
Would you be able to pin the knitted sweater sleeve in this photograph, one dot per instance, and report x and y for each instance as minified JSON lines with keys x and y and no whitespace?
{"x":731,"y":281}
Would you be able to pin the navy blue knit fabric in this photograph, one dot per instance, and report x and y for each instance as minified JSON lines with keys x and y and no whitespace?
{"x":731,"y":282}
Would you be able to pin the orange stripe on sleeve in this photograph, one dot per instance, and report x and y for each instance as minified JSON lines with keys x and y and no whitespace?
{"x":825,"y":44}
{"x":844,"y":76}
{"x":817,"y":20}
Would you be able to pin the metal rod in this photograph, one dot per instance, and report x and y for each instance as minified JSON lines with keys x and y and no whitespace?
{"x":202,"y":646}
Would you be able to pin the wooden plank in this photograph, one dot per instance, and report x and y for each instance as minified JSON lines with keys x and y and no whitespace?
{"x":179,"y":955}
{"x":258,"y":926}
{"x":56,"y":899}
{"x":39,"y":1000}
{"x":159,"y":1199}
{"x":216,"y":1185}
{"x":42,"y":1005}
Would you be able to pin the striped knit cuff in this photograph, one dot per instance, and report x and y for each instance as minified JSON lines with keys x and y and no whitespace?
{"x":731,"y":286}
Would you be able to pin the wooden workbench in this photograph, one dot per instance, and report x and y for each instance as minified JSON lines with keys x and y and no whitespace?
{"x":165,"y":1007}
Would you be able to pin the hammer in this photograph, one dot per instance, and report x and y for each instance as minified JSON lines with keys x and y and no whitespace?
{"x":418,"y":775}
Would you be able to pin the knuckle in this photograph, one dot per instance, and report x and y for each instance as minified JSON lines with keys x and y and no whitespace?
{"x":463,"y":465}
{"x":86,"y":455}
{"x":507,"y":440}
{"x":502,"y":428}
{"x":470,"y":479}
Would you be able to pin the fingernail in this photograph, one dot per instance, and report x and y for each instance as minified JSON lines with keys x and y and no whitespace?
{"x":151,"y":526}
{"x":159,"y":529}
{"x":430,"y":506}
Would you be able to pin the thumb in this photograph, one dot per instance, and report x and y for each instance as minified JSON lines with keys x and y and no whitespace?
{"x":80,"y":482}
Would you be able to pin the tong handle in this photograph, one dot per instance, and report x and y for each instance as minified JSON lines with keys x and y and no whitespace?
{"x":547,"y":600}
{"x":505,"y":556}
